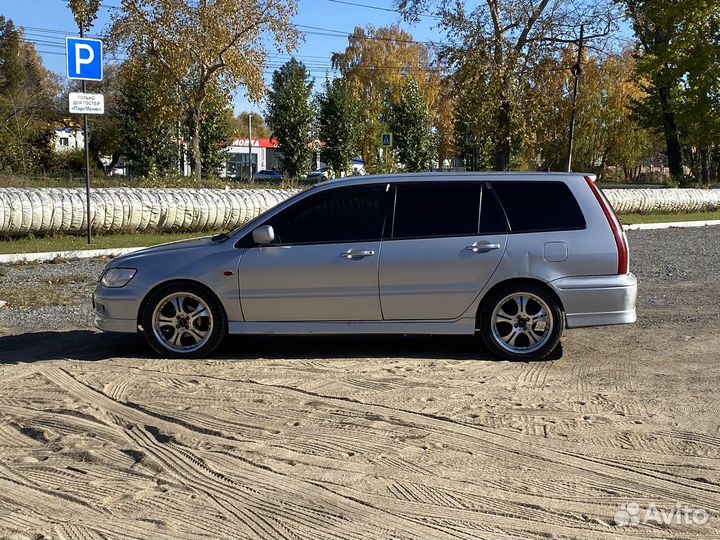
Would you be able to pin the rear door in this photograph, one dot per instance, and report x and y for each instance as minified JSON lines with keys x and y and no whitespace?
{"x":445,"y":242}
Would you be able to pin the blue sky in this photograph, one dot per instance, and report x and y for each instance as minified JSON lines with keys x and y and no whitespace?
{"x":47,"y":22}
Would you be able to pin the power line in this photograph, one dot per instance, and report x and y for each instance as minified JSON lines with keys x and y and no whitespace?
{"x":344,"y":34}
{"x":379,"y":8}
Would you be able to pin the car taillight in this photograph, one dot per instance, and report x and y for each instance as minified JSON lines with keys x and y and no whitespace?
{"x":620,"y":240}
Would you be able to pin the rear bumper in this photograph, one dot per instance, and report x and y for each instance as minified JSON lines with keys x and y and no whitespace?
{"x":597,"y":300}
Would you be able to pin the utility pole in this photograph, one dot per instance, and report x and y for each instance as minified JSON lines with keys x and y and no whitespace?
{"x":250,"y":145}
{"x":86,"y":136}
{"x":577,"y":72}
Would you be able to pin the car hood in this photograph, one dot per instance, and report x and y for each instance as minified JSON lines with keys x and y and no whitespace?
{"x":164,"y":250}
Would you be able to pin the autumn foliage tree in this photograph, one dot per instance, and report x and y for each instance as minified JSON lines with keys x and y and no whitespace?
{"x":240,"y":126}
{"x":495,"y":45}
{"x":376,"y":64}
{"x":196,"y":45}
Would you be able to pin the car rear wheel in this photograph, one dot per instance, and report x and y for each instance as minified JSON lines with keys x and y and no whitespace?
{"x":184,"y":321}
{"x":521,"y":322}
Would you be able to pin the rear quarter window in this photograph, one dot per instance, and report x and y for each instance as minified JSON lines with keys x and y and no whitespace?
{"x":539,"y":206}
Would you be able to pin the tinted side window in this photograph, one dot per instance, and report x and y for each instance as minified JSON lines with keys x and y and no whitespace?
{"x":340,"y":215}
{"x":442,"y":209}
{"x":492,"y":217}
{"x":539,"y":206}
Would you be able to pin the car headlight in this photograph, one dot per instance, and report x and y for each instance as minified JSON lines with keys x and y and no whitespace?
{"x":117,"y":277}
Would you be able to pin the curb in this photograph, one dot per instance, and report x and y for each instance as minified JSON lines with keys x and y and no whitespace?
{"x":116,"y":252}
{"x":670,"y":225}
{"x":79,"y":254}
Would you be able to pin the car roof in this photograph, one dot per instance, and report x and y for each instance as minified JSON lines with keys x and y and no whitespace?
{"x":453,"y":176}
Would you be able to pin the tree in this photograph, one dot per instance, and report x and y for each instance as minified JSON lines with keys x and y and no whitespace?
{"x":444,"y":123}
{"x":215,"y":131}
{"x":84,"y":12}
{"x":494,"y":46}
{"x":607,"y":133}
{"x":338,"y":124}
{"x":239,"y":126}
{"x":680,"y":66}
{"x":108,"y":133}
{"x":198,"y":44}
{"x":27,"y":92}
{"x":290,"y":115}
{"x":656,"y":24}
{"x":151,"y":119}
{"x":410,"y":124}
{"x":376,"y":64}
{"x":699,"y":96}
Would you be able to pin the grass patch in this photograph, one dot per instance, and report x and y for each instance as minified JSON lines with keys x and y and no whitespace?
{"x":77,"y":243}
{"x":631,"y":219}
{"x":39,"y":294}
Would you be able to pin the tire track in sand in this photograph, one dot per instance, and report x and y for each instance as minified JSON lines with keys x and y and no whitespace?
{"x":306,"y":506}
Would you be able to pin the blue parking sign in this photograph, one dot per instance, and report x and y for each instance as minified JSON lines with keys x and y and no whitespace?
{"x":84,"y":59}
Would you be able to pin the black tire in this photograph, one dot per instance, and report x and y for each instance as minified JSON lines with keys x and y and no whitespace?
{"x":522,"y":348}
{"x":213,"y":326}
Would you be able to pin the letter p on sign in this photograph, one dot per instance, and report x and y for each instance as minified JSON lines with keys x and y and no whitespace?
{"x":84,"y":59}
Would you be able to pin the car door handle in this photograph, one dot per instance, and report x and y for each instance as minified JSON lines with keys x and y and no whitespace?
{"x":482,"y":247}
{"x":357,"y":253}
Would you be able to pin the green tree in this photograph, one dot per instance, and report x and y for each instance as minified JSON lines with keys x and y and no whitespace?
{"x":338,"y":124}
{"x":290,"y":115}
{"x":410,"y":124}
{"x":151,"y":119}
{"x":215,"y":131}
{"x":699,"y":96}
{"x":209,"y":42}
{"x":27,"y":94}
{"x":657,"y":24}
{"x":107,"y":138}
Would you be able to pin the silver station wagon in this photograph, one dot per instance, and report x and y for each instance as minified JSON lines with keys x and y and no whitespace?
{"x":515,"y":257}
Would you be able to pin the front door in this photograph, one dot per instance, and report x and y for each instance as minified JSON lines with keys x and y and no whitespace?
{"x":442,"y":249}
{"x":323,"y":264}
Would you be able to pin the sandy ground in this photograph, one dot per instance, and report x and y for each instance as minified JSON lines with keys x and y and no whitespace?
{"x":375,"y":437}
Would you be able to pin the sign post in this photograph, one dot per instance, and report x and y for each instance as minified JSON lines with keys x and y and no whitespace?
{"x":84,"y":63}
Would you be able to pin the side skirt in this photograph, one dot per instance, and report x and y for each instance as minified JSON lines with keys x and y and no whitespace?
{"x":464,"y":326}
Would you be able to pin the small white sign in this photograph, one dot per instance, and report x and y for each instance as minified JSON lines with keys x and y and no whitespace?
{"x":87,"y":103}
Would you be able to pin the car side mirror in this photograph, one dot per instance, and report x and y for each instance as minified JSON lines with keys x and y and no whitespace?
{"x":263,"y":235}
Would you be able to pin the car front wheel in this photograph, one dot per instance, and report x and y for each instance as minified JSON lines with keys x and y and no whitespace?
{"x":522,"y":322}
{"x":183,"y":321}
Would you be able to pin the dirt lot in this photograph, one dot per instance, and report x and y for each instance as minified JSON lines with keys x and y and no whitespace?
{"x":368,"y":437}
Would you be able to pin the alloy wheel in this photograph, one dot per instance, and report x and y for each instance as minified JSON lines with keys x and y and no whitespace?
{"x":182,"y":322}
{"x":521,"y":323}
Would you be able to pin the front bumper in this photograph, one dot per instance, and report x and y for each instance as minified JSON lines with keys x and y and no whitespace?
{"x":116,"y":310}
{"x":598,"y":300}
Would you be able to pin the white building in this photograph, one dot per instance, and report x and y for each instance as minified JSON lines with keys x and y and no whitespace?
{"x":68,"y":138}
